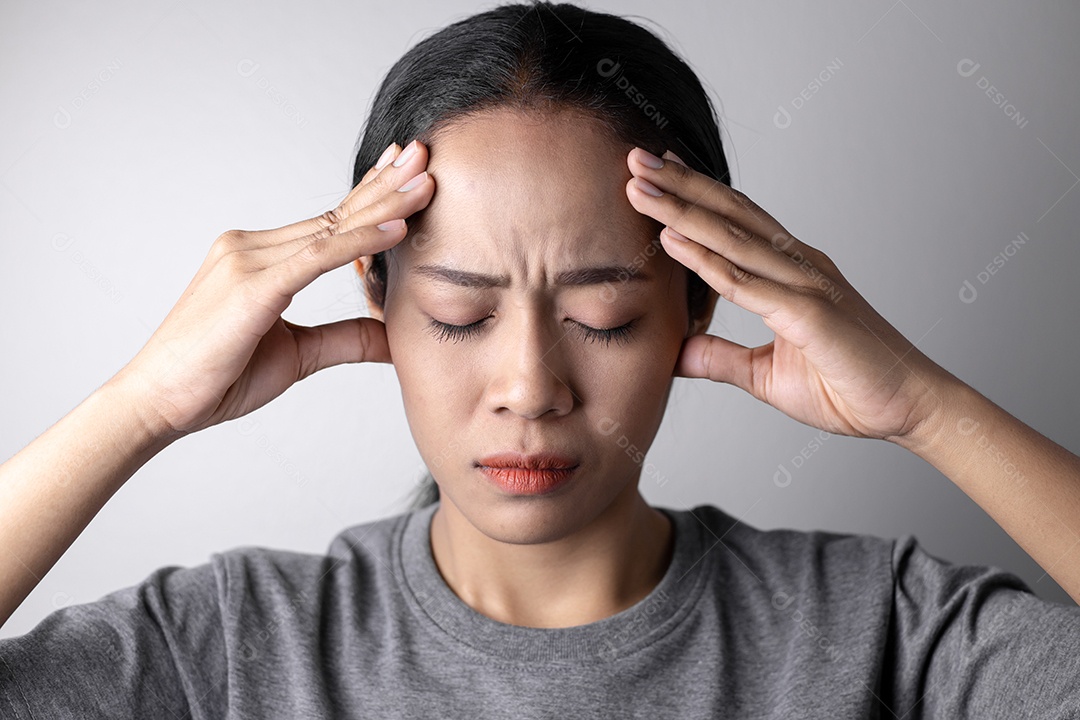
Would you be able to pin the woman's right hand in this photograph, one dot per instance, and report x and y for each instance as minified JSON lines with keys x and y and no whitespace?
{"x":224,"y":349}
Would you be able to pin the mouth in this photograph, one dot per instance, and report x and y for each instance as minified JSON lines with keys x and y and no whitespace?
{"x":537,"y":474}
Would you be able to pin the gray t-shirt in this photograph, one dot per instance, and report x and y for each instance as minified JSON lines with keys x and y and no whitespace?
{"x":745,"y":623}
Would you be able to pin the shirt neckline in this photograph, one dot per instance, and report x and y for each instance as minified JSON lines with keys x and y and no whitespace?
{"x":628,"y":631}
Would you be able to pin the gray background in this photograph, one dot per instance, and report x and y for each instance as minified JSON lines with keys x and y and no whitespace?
{"x":134,"y":133}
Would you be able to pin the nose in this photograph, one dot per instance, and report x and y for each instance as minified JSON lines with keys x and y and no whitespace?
{"x":530,"y":375}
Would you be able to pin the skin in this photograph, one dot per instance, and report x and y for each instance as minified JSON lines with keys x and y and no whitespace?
{"x":835,"y":364}
{"x":518,"y":196}
{"x":222,"y":351}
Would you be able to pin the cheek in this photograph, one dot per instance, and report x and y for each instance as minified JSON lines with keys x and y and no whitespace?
{"x":632,"y":389}
{"x":422,"y":377}
{"x":440,"y":389}
{"x":637,"y":386}
{"x":432,"y":387}
{"x":436,"y":407}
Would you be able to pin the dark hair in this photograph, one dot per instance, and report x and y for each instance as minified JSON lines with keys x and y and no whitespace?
{"x":537,"y":58}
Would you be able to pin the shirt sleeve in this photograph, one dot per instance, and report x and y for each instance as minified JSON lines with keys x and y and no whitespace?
{"x":974,"y":642}
{"x":152,"y":650}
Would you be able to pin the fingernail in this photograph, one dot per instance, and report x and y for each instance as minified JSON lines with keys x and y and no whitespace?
{"x":649,"y":160}
{"x":676,"y":234}
{"x":647,"y":187}
{"x":385,"y":157}
{"x":414,"y":182}
{"x":391,"y":224}
{"x":672,"y":156}
{"x":407,"y":153}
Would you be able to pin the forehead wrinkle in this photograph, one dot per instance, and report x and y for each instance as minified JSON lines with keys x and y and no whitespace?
{"x":576,"y":277}
{"x":426,"y":236}
{"x":611,"y":268}
{"x":438,"y":255}
{"x":463,"y":179}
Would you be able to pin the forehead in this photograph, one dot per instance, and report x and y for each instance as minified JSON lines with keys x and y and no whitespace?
{"x":534,"y":185}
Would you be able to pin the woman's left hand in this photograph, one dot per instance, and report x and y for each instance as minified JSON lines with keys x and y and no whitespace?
{"x":835,"y":363}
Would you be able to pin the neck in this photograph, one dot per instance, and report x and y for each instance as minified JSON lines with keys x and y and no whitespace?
{"x":600,"y":570}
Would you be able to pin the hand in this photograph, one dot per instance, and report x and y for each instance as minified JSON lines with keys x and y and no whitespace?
{"x":224,"y":349}
{"x":835,"y":363}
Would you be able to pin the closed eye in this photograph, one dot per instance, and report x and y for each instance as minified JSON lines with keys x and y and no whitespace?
{"x":445,"y":331}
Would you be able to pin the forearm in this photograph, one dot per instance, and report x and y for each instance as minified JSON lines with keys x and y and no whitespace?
{"x":53,"y":488}
{"x":1026,"y":482}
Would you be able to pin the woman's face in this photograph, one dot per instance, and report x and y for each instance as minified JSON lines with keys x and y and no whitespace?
{"x":528,"y":200}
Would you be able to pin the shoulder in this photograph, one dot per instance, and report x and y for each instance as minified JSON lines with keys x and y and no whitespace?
{"x":817,"y":557}
{"x":852,"y":562}
{"x":266,"y":581}
{"x":367,"y":542}
{"x":933,"y":594}
{"x":178,"y":636}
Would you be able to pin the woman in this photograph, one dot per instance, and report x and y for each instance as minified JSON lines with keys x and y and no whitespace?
{"x":536,"y":308}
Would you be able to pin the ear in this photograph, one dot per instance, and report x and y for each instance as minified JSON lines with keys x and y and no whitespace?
{"x":701,"y":323}
{"x":374,"y":309}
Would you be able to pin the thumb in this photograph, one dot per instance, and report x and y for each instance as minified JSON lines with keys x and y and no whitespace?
{"x":718,"y":359}
{"x":346,"y":341}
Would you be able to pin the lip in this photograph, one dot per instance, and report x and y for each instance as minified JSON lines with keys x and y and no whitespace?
{"x":536,"y":474}
{"x":536,"y":461}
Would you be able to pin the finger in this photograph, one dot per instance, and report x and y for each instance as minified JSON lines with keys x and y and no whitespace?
{"x":721,"y":360}
{"x":717,"y":233}
{"x":412,"y":195}
{"x":347,"y":341}
{"x":699,"y":189}
{"x":779,"y":304}
{"x":394,"y":205}
{"x":389,"y":155}
{"x":413,"y":161}
{"x":312,"y":259}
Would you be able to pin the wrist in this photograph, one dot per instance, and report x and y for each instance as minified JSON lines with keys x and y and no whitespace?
{"x":126,"y":397}
{"x":947,"y":403}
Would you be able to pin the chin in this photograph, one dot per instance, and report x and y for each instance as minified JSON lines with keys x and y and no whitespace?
{"x":531,"y":520}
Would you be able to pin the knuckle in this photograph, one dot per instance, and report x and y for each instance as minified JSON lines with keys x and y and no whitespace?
{"x":707,"y":359}
{"x":736,"y":278}
{"x":728,"y":292}
{"x":738,"y":275}
{"x":681,"y":171}
{"x":811,"y":257}
{"x":381,"y":182}
{"x":228,"y":242}
{"x":330,"y":218}
{"x":738,"y":233}
{"x":824,"y":261}
{"x":363,"y":330}
{"x":313,"y":252}
{"x":742,"y":200}
{"x":782,"y":242}
{"x":310,"y":362}
{"x":323,"y":233}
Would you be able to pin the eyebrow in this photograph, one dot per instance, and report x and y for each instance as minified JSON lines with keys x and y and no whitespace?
{"x":577,"y":277}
